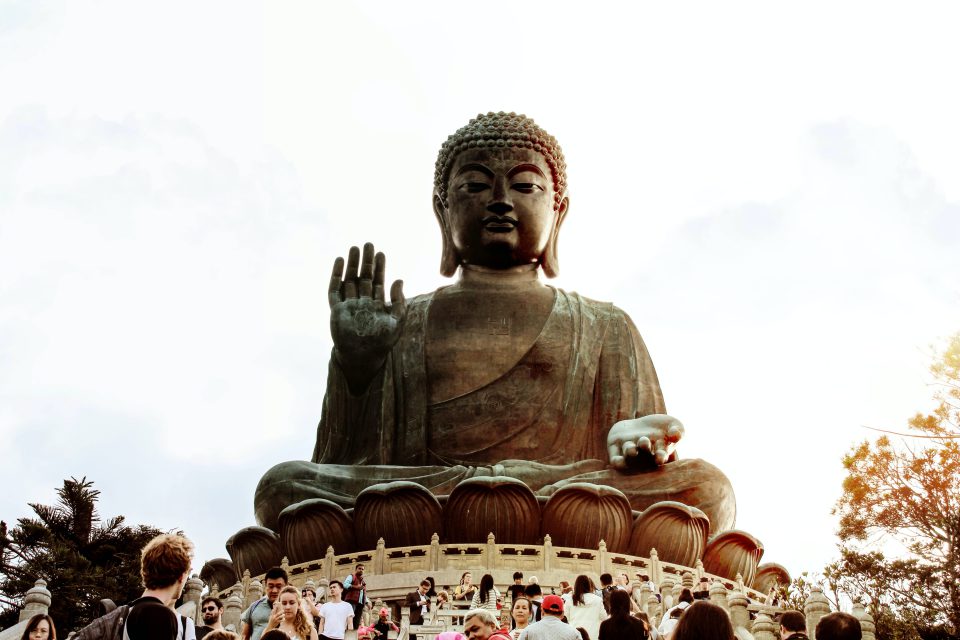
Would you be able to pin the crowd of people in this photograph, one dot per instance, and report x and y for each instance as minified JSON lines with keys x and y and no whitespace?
{"x":580,"y":611}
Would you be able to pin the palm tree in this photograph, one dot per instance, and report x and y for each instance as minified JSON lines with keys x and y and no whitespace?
{"x":83,"y":558}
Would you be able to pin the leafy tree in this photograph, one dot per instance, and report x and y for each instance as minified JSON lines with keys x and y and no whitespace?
{"x":910,"y":491}
{"x":83,"y":558}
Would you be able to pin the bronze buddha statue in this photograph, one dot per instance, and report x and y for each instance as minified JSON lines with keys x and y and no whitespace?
{"x":497,"y":374}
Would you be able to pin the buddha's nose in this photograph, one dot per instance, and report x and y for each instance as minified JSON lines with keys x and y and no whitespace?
{"x":499,"y":199}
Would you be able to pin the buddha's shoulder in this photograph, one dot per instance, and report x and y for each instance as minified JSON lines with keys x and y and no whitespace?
{"x":599,"y":308}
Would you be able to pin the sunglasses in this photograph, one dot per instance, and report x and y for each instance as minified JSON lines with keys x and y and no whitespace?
{"x":210,"y":608}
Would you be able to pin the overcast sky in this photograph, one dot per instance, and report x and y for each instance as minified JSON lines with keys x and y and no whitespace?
{"x":771,"y":192}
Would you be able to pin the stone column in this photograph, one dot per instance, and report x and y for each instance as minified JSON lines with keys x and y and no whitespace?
{"x":738,"y":610}
{"x":191,"y":593}
{"x":867,"y":627}
{"x":36,"y":600}
{"x":232,"y":610}
{"x":666,"y":593}
{"x":765,"y":628}
{"x":718,"y":595}
{"x":815,"y":608}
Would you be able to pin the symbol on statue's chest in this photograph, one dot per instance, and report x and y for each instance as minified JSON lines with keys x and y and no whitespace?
{"x":498,"y":326}
{"x":364,"y":321}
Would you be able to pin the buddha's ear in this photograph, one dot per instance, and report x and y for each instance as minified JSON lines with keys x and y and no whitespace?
{"x":550,"y":262}
{"x":448,"y":259}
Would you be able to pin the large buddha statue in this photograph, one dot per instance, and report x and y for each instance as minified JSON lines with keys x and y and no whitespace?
{"x":497,"y":374}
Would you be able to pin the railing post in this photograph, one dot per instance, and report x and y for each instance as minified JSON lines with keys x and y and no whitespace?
{"x":764,"y":628}
{"x":738,"y":610}
{"x":718,"y":595}
{"x":547,"y":553}
{"x":815,"y":608}
{"x":867,"y":627}
{"x":435,"y":551}
{"x":328,"y":564}
{"x":232,"y":610}
{"x":655,"y":573}
{"x":602,"y":557}
{"x":490,"y":552}
{"x":36,"y":600}
{"x":379,"y":557}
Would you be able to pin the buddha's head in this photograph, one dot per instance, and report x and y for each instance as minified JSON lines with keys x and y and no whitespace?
{"x":499,"y":193}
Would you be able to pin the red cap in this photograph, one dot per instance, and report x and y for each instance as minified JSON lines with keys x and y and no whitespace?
{"x":553,"y":604}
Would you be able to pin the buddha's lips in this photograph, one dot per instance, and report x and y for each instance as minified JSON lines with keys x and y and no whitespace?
{"x":499,"y":223}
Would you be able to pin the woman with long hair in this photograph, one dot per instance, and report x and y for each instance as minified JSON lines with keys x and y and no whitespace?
{"x":521,"y":615}
{"x":40,"y":627}
{"x":703,"y":621}
{"x":583,"y":607}
{"x":293,"y":621}
{"x":466,"y":588}
{"x":621,"y":625}
{"x":486,"y":596}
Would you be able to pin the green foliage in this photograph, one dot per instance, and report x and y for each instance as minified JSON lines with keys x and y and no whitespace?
{"x":908,"y":491}
{"x":82,"y":558}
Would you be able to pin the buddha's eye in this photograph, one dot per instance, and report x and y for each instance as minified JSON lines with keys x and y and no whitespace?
{"x":527,"y":187}
{"x":475,"y":187}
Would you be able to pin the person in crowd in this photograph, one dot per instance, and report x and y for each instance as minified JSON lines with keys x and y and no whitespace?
{"x":432,"y":591}
{"x":520,"y":613}
{"x":336,"y":616}
{"x":481,"y":624}
{"x":668,"y":622}
{"x":550,"y":627}
{"x":384,"y":624}
{"x":487,"y":597}
{"x":645,"y":579}
{"x":212,"y":610}
{"x":274,"y":634}
{"x":535,"y":594}
{"x":288,"y":616}
{"x":583,"y":607}
{"x":419,"y":605}
{"x":256,"y":617}
{"x":466,"y":588}
{"x":222,"y":634}
{"x":565,"y":588}
{"x":40,"y":627}
{"x":443,"y":599}
{"x":151,"y":621}
{"x":703,"y":621}
{"x":517,"y":589}
{"x":702,"y":591}
{"x":651,"y":630}
{"x":838,"y":626}
{"x":793,"y":626}
{"x":583,"y":633}
{"x":621,"y":625}
{"x":165,"y":564}
{"x":451,"y":635}
{"x":354,"y":592}
{"x":308,"y":598}
{"x":606,"y":588}
{"x":623,"y":581}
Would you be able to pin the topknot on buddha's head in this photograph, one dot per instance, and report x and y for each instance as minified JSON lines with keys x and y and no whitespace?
{"x":505,"y":130}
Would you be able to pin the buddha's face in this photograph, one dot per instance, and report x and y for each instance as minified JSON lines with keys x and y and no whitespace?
{"x":500,"y":207}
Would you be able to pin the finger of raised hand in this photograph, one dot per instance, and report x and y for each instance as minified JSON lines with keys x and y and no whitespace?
{"x":617,"y":461}
{"x":398,"y":304}
{"x":333,"y":291}
{"x":675,"y":432}
{"x":643,"y":444}
{"x":350,"y":290}
{"x":366,"y":271}
{"x":630,"y":448}
{"x":379,"y":271}
{"x":660,"y":451}
{"x":353,"y":261}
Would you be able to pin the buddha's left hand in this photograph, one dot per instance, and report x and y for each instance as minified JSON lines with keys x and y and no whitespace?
{"x":656,"y":435}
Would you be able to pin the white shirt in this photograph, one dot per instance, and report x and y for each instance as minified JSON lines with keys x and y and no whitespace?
{"x":335,"y":616}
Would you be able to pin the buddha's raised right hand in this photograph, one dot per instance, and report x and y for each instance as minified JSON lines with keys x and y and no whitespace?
{"x":364,"y":327}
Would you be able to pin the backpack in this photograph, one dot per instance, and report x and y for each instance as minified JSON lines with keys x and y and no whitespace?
{"x":113,"y":625}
